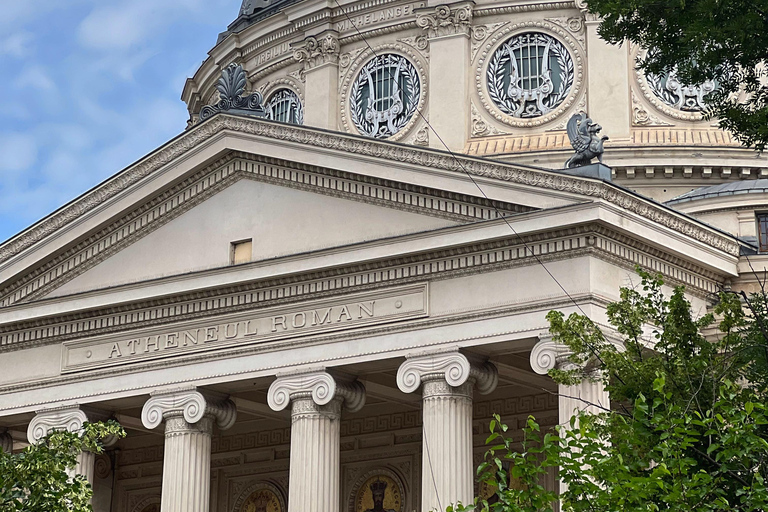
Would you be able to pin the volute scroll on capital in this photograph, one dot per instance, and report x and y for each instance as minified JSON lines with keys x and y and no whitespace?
{"x":317,"y":50}
{"x":446,"y":19}
{"x":320,"y":385}
{"x":547,"y":354}
{"x":191,"y":404}
{"x":453,"y":366}
{"x":68,"y":419}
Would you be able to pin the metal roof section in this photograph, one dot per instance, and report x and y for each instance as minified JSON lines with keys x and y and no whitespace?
{"x":759,"y":186}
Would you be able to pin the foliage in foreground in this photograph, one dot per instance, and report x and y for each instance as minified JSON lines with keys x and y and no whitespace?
{"x":722,"y":40}
{"x":38,"y":479}
{"x":689,"y":426}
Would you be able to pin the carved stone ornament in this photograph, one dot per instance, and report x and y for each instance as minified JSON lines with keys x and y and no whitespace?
{"x":231,"y":85}
{"x":68,"y":419}
{"x":548,"y":354}
{"x":384,"y":96}
{"x":6,"y":442}
{"x":260,"y":497}
{"x":453,"y":366}
{"x":192,"y":405}
{"x":321,"y":386}
{"x":284,"y":105}
{"x":391,"y":113}
{"x":314,"y":51}
{"x":583,"y":134}
{"x":529,"y":73}
{"x":445,"y":20}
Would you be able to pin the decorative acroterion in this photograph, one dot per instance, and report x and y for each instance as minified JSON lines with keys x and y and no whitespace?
{"x":583,"y":134}
{"x":231,"y":86}
{"x":529,"y":75}
{"x":384,"y":96}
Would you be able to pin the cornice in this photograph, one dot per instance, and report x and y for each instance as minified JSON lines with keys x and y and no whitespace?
{"x":600,"y":241}
{"x":381,"y":150}
{"x":155,"y":213}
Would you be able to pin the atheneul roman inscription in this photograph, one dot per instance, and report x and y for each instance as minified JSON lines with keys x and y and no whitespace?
{"x":241,"y":329}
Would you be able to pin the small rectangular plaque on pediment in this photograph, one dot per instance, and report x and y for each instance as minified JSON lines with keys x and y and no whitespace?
{"x":234,"y":331}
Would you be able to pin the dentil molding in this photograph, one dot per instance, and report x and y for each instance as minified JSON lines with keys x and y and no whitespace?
{"x":453,"y":366}
{"x":322,"y":387}
{"x":191,"y":404}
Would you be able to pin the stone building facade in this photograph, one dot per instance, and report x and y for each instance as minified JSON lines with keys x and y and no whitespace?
{"x":320,"y":305}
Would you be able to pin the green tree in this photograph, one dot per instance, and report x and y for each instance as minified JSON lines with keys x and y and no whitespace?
{"x":688,"y":429}
{"x":722,"y":40}
{"x":37,"y":479}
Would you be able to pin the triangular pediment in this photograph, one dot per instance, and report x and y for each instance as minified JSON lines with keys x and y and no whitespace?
{"x":278,"y":221}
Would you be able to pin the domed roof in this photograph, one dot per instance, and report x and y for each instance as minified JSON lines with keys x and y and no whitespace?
{"x":732,"y":188}
{"x":252,"y":11}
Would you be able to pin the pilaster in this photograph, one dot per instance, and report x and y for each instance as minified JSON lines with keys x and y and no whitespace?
{"x":608,"y":74}
{"x":317,"y":399}
{"x":447,"y":380}
{"x":320,"y":57}
{"x":447,"y":27}
{"x":189,"y":416}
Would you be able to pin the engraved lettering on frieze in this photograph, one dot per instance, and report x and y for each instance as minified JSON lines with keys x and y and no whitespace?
{"x":246,"y":328}
{"x":272,"y":53}
{"x":380,"y":16}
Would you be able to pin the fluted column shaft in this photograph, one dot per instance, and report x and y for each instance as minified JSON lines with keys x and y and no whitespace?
{"x":447,"y":380}
{"x":586,"y":396}
{"x":316,"y":400}
{"x":315,"y":454}
{"x":189,"y":416}
{"x":186,"y":465}
{"x":447,"y":476}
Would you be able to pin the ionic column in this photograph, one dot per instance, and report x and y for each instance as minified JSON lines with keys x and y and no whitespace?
{"x":447,"y":380}
{"x":68,"y":419}
{"x":586,"y":396}
{"x":189,"y":417}
{"x":316,"y":400}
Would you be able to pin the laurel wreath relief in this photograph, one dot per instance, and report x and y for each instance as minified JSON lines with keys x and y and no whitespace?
{"x":410,"y":96}
{"x":498,"y":72}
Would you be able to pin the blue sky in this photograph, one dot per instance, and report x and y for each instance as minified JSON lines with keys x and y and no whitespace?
{"x":89,"y":86}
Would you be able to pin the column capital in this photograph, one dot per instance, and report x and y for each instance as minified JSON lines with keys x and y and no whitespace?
{"x":320,"y":385}
{"x":69,"y":418}
{"x":191,"y":404}
{"x":548,"y":354}
{"x":452,"y":366}
{"x":317,"y":50}
{"x":6,"y":441}
{"x":446,"y":19}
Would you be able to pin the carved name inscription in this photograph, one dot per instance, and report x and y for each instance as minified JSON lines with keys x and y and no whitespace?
{"x":273,"y":53}
{"x":267,"y":325}
{"x":380,"y":16}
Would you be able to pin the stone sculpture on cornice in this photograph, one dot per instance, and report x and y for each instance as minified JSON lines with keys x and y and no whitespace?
{"x":231,"y":86}
{"x":583,"y":134}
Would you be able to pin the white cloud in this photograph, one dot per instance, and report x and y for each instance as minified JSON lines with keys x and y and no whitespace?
{"x":18,"y":152}
{"x":16,"y":45}
{"x":34,"y":77}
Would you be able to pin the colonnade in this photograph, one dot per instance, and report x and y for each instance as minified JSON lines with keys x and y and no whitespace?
{"x":318,"y":400}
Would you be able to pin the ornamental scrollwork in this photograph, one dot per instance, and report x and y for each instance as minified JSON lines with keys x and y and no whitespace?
{"x":285,"y":105}
{"x":384,"y":96}
{"x":529,"y":73}
{"x":445,"y":20}
{"x":314,"y":51}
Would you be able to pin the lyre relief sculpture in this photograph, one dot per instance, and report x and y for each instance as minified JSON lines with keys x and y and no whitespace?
{"x":230,"y":86}
{"x":583,"y":134}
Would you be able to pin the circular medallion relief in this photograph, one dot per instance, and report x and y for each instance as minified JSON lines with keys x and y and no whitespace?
{"x":262,"y":500}
{"x":384,"y":96}
{"x":530,"y":75}
{"x":285,"y":105}
{"x":672,"y":91}
{"x":379,"y":493}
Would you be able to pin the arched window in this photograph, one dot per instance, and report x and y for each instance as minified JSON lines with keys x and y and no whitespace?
{"x":285,"y":106}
